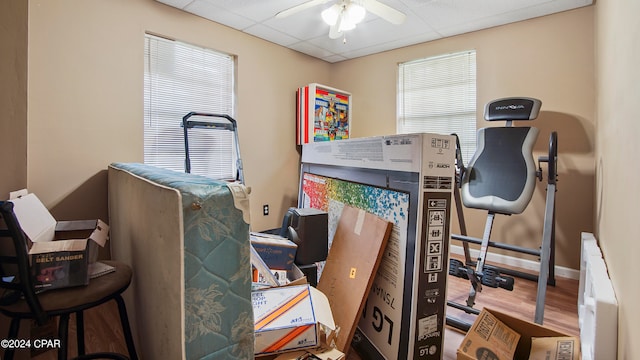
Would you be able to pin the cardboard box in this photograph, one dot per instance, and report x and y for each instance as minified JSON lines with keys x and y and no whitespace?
{"x":346,"y":279}
{"x":293,"y":276}
{"x":291,"y":318}
{"x":276,"y":251}
{"x":313,"y":354}
{"x":263,"y":277}
{"x":58,"y":264}
{"x":60,"y":251}
{"x":489,"y":338}
{"x":407,"y":179}
{"x":498,"y":336}
{"x":555,"y":348}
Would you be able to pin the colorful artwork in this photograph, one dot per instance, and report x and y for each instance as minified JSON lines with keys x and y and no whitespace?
{"x":322,"y":114}
{"x":331,"y":115}
{"x":387,"y":292}
{"x":388,"y":204}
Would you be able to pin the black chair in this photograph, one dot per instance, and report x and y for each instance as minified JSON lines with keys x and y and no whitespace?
{"x":19,"y":300}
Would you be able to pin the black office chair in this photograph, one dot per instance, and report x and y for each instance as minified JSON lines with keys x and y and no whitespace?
{"x":501,"y":179}
{"x":20,"y":301}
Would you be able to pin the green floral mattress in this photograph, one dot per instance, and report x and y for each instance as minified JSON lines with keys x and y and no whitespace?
{"x":218,"y":315}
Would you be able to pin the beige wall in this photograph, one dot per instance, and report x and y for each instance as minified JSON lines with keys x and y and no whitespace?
{"x":549,"y":58}
{"x":86,"y":96}
{"x":13,"y":105}
{"x":13,"y":96}
{"x":617,"y":195}
{"x":85,"y":103}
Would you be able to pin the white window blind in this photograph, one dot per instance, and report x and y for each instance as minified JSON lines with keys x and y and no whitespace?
{"x":438,"y":95}
{"x":180,"y":78}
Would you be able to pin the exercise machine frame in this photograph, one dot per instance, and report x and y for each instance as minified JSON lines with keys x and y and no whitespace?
{"x":474,"y":270}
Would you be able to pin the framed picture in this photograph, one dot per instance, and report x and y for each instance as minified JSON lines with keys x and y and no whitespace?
{"x":323,"y":114}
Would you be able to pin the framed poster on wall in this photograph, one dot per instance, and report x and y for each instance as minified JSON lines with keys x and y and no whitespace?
{"x":323,"y":114}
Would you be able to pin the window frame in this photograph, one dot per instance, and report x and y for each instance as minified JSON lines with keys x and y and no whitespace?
{"x":180,"y":78}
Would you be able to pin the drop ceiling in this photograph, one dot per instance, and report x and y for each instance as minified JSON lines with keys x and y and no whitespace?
{"x":426,"y":20}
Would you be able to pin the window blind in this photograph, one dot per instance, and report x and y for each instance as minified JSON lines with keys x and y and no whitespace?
{"x":438,"y":95}
{"x":180,"y":78}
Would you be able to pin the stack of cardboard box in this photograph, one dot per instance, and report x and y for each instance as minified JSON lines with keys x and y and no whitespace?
{"x":296,"y":320}
{"x":290,"y":316}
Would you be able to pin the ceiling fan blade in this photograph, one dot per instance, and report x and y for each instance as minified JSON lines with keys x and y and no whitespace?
{"x":384,"y":11}
{"x":334,"y":30}
{"x":292,"y":10}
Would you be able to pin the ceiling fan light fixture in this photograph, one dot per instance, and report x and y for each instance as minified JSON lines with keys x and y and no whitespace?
{"x":355,"y":13}
{"x":330,"y":15}
{"x":348,"y":13}
{"x":346,"y":25}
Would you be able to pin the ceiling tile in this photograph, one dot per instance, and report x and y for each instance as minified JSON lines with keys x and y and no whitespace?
{"x":310,"y":49}
{"x":426,"y":20}
{"x":218,"y":14}
{"x":256,"y":10}
{"x":176,"y":3}
{"x":272,"y":35}
{"x":301,"y":25}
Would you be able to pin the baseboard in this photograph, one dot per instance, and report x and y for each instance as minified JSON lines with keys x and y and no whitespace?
{"x":525,"y":264}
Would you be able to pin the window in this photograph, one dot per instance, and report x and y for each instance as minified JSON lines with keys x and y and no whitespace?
{"x":438,"y":95}
{"x":178,"y":79}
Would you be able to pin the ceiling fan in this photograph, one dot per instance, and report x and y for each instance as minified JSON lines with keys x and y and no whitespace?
{"x":343,"y":15}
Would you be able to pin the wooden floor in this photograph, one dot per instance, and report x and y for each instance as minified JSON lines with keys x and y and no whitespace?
{"x":560,"y":314}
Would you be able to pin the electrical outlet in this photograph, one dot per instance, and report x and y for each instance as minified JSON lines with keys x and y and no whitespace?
{"x":265,"y":209}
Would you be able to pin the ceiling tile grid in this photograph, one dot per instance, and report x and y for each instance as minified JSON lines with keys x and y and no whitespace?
{"x":426,"y":20}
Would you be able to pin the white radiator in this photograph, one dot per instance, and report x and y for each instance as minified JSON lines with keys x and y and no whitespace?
{"x":597,"y":304}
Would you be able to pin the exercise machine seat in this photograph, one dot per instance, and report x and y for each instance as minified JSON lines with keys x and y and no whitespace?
{"x":501,"y":175}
